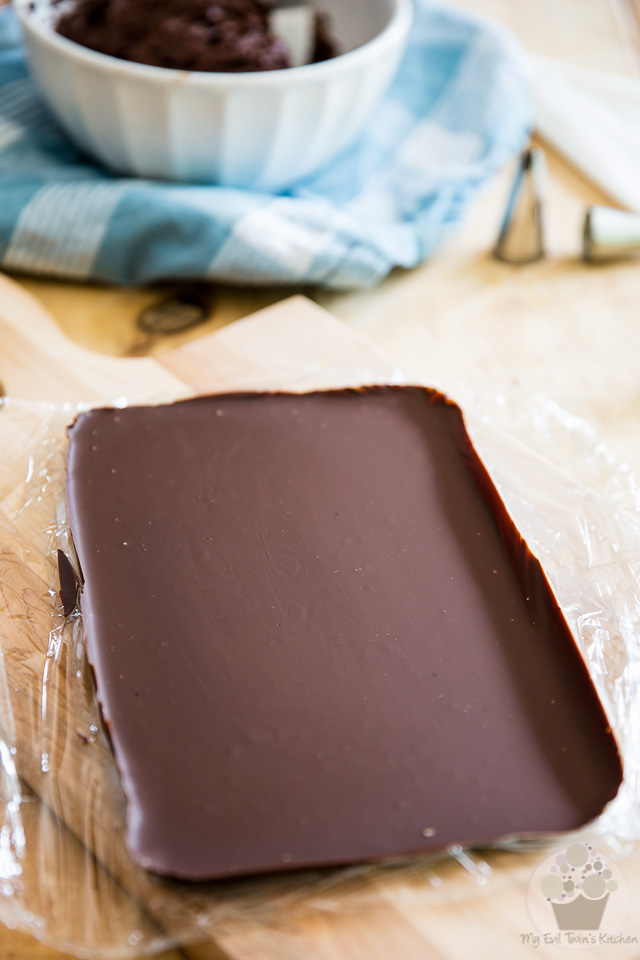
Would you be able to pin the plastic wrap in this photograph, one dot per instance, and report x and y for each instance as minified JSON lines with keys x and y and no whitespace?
{"x":64,"y":871}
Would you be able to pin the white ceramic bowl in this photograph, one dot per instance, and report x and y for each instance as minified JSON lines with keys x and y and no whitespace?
{"x":259,"y":130}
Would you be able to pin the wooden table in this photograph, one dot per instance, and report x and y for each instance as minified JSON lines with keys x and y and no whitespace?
{"x":569,"y":331}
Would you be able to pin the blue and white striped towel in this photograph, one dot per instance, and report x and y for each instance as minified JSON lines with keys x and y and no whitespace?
{"x":457,"y":110}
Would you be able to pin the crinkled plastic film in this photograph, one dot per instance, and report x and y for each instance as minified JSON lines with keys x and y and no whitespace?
{"x":65,"y":874}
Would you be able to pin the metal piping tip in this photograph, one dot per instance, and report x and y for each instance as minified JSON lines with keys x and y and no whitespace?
{"x":610,"y":234}
{"x":521,"y":238}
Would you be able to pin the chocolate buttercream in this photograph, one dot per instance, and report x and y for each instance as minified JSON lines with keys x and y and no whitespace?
{"x":230,"y":36}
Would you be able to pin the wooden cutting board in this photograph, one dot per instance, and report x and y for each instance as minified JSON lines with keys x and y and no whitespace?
{"x":291,"y":341}
{"x":409,"y":913}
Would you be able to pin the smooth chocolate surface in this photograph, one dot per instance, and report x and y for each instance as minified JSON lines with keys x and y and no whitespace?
{"x":318,"y":637}
{"x":226,"y":36}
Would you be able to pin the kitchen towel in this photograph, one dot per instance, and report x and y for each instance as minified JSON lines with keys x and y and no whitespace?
{"x":457,"y":110}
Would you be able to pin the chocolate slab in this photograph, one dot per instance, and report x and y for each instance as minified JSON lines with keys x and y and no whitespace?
{"x":318,"y":637}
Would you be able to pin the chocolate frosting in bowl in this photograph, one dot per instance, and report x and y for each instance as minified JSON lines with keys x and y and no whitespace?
{"x":228,"y":36}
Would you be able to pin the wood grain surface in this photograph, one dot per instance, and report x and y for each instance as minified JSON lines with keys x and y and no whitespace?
{"x":558,"y":327}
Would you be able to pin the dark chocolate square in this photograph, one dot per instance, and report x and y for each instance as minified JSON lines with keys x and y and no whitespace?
{"x":318,"y":637}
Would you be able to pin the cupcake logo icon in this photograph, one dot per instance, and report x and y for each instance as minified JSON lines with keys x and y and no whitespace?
{"x":577,"y":898}
{"x":578,"y":887}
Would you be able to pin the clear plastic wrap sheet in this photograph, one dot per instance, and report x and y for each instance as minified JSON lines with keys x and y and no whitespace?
{"x":64,"y":872}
